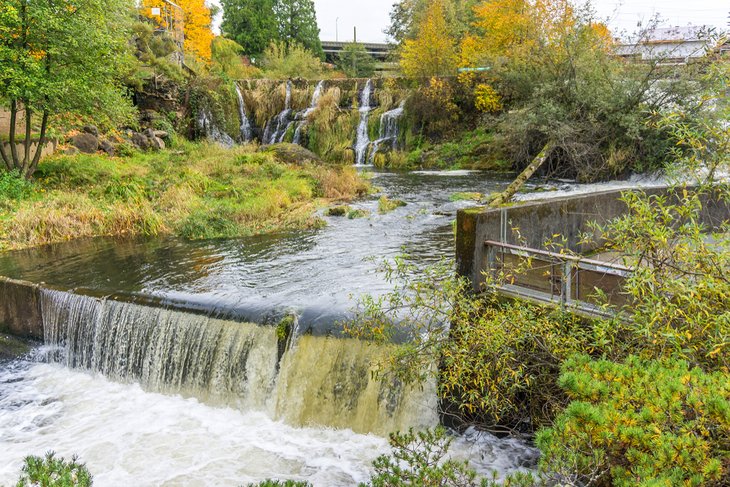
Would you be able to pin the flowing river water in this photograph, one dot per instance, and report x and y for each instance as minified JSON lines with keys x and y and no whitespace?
{"x":148,"y":395}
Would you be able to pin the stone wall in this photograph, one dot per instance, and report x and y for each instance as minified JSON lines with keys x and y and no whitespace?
{"x":533,"y":223}
{"x":20,"y":308}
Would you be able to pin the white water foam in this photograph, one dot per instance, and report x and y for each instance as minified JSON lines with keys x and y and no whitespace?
{"x":127,"y":436}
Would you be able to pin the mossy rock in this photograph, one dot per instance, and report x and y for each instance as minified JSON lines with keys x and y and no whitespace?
{"x":292,"y":154}
{"x":386,"y":205}
{"x":358,"y":213}
{"x":466,"y":197}
{"x":342,"y":210}
{"x":12,"y":347}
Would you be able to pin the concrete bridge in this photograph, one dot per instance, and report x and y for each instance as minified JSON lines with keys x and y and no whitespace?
{"x":332,"y":49}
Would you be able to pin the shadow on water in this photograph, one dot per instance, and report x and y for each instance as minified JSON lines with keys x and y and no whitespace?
{"x":313,"y":273}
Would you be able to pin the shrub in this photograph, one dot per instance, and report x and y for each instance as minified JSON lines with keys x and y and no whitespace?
{"x":292,"y":61}
{"x":639,"y":423}
{"x":14,"y":187}
{"x":418,"y":459}
{"x":52,"y":471}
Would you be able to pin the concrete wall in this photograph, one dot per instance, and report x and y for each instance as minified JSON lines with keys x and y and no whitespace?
{"x":20,"y":308}
{"x":533,"y":223}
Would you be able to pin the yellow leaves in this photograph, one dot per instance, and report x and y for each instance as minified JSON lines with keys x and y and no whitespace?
{"x":432,"y":53}
{"x":196,"y":20}
{"x":486,"y":99}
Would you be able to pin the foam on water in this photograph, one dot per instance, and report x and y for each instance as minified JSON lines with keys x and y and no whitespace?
{"x":128,"y":436}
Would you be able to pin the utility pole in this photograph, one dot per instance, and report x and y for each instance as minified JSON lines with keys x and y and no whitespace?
{"x":337,"y":33}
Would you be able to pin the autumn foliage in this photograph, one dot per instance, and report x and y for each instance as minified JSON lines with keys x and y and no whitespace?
{"x":197,"y":25}
{"x":433,"y":52}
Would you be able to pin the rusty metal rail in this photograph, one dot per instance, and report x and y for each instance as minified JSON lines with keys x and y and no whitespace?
{"x":572,"y":282}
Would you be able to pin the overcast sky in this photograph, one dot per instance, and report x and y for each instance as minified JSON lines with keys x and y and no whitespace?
{"x":337,"y":18}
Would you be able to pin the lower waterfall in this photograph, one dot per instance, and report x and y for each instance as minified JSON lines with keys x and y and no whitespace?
{"x":323,"y":381}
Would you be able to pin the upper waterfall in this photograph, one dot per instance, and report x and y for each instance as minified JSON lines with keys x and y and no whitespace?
{"x":362,"y":140}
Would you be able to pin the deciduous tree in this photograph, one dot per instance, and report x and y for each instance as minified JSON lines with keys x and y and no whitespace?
{"x":59,"y":56}
{"x":432,"y":52}
{"x":355,"y":61}
{"x":251,"y":23}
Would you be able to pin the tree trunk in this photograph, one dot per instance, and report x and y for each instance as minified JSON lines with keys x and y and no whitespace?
{"x":5,"y":157}
{"x":41,"y":144}
{"x":28,"y":138}
{"x":506,"y":195}
{"x":13,"y":121}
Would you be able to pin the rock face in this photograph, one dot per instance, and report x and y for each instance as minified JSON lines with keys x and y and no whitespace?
{"x":292,"y":154}
{"x":86,"y":143}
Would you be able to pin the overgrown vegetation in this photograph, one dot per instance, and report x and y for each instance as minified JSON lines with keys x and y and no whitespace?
{"x":511,"y":367}
{"x":197,"y":191}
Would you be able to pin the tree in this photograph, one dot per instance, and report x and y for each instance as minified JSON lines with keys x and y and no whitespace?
{"x":432,"y":52}
{"x":198,"y":33}
{"x":251,"y":23}
{"x":355,"y":61}
{"x":296,"y":61}
{"x":297,"y":21}
{"x":197,"y":19}
{"x":228,"y":61}
{"x":60,"y":57}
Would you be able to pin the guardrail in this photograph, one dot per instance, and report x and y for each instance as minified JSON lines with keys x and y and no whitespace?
{"x":577,"y":283}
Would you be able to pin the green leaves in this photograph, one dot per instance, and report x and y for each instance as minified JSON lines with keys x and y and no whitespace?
{"x":639,"y":423}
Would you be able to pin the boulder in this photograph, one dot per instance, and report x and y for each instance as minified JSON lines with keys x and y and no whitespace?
{"x":141,"y":141}
{"x":161,"y":134}
{"x":108,"y":147}
{"x":86,"y":143}
{"x":156,"y":143}
{"x":91,"y":129}
{"x":292,"y":153}
{"x":71,"y":151}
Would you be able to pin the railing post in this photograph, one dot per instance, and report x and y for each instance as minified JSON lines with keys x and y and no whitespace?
{"x":567,"y":283}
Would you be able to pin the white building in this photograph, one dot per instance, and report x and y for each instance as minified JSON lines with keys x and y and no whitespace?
{"x":673,"y":45}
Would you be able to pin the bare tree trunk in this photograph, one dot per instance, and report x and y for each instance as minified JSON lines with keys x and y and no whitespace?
{"x":506,"y":195}
{"x":28,"y":138}
{"x":41,"y":144}
{"x":13,"y":120}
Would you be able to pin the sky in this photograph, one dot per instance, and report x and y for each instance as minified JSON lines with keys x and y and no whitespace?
{"x":336,"y":18}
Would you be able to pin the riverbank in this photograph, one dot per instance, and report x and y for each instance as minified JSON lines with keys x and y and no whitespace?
{"x":193,"y":191}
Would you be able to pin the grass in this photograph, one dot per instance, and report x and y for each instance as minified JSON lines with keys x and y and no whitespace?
{"x":196,"y":191}
{"x":386,"y":205}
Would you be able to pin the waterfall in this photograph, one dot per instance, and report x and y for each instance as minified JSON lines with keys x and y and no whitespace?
{"x":277,"y":127}
{"x":246,"y":132}
{"x":388,"y":130}
{"x":314,"y":380}
{"x":302,"y":116}
{"x":362,"y":140}
{"x":207,"y":126}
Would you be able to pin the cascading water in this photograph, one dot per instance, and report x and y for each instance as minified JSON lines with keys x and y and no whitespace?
{"x":233,"y":364}
{"x":246,"y":132}
{"x":302,"y":116}
{"x":277,"y":128}
{"x":208,"y":127}
{"x":388,"y":130}
{"x":362,"y":140}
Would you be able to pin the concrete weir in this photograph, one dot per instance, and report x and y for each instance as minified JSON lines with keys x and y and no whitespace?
{"x":533,"y":223}
{"x":20,"y":308}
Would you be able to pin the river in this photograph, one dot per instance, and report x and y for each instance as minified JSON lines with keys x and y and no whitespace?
{"x":148,"y":396}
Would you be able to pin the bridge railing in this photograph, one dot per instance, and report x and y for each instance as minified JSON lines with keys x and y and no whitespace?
{"x":569,"y":281}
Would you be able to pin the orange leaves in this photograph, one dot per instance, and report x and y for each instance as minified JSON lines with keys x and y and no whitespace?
{"x":196,"y":19}
{"x":198,"y":35}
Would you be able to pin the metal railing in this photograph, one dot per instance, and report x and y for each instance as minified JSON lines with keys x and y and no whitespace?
{"x":570,"y":281}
